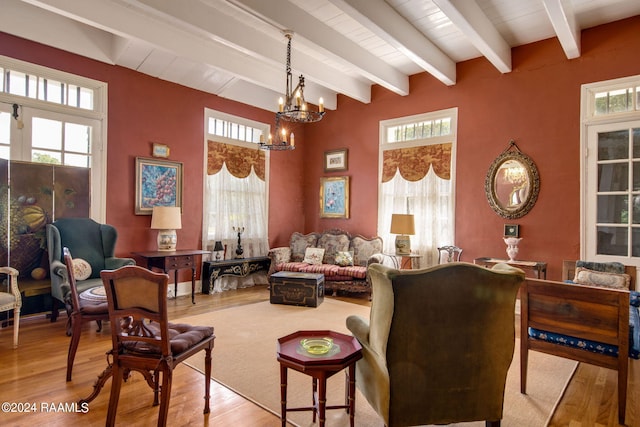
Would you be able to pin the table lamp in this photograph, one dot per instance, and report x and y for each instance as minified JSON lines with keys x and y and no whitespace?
{"x":167,"y":220}
{"x":217,"y":248}
{"x":403,"y":226}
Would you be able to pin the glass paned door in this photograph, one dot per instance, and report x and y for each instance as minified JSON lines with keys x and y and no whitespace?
{"x":614,"y":208}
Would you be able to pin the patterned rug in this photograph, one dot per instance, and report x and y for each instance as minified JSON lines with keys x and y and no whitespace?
{"x":244,"y":360}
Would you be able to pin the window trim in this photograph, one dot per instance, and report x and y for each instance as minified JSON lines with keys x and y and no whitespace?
{"x":589,"y":120}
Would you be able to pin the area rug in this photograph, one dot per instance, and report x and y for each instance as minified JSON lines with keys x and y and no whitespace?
{"x":244,"y":360}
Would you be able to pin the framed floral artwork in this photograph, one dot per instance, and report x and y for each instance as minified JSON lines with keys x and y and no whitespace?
{"x":158,"y":183}
{"x":334,"y":197}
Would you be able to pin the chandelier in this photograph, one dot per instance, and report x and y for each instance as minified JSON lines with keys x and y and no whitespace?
{"x":292,"y":108}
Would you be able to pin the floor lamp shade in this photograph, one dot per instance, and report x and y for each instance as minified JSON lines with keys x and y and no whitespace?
{"x":166,"y":219}
{"x":403,"y":226}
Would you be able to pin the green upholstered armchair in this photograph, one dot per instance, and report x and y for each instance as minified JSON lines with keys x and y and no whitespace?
{"x":438,"y":344}
{"x":87,"y":240}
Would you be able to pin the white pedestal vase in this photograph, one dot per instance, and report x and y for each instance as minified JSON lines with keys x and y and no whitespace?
{"x":512,"y":246}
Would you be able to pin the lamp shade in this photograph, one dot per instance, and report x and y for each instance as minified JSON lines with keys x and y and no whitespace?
{"x":166,"y":218}
{"x":402,"y":224}
{"x":218,"y":246}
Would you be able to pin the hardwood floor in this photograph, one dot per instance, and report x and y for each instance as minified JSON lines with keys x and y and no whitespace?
{"x":34,"y":374}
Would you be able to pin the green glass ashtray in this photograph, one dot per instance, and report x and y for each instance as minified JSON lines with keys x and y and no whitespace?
{"x":317,"y":345}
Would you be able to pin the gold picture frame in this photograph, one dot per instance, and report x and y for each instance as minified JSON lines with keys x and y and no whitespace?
{"x":158,"y":183}
{"x":160,"y":150}
{"x":336,"y":160}
{"x":334,"y":197}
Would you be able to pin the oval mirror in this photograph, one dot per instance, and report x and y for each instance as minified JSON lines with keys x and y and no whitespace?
{"x":512,"y":183}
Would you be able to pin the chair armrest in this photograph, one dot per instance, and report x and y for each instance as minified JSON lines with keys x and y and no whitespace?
{"x":359,"y":327}
{"x":280,"y":255}
{"x":375,"y":259}
{"x":113,"y":263}
{"x":12,"y":274}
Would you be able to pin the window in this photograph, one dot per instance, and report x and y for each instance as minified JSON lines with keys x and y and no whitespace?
{"x":408,"y":185}
{"x":611,"y":170}
{"x":48,"y":116}
{"x":235,"y":195}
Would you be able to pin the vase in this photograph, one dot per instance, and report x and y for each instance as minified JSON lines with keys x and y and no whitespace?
{"x":512,"y":246}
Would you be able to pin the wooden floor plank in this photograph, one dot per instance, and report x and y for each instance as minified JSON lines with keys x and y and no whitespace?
{"x":35,"y":373}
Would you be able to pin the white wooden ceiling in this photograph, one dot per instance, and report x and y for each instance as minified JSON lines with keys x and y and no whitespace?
{"x":236,"y":48}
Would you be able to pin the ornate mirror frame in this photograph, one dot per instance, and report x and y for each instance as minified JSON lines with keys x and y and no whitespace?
{"x":513,"y":172}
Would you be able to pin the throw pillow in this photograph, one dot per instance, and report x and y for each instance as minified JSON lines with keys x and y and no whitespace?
{"x":344,"y":259}
{"x":313,"y":255}
{"x":602,"y":279}
{"x":81,"y":269}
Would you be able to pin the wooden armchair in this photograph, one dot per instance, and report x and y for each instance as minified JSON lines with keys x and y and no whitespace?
{"x":84,"y":309}
{"x":582,"y":319}
{"x":144,"y":340}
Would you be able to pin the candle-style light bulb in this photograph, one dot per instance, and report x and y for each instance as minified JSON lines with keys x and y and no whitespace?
{"x":293,"y":140}
{"x":284,"y":136}
{"x":281,"y":104}
{"x":298,"y":98}
{"x":321,"y":105}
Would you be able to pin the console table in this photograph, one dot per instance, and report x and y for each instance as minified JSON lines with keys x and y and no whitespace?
{"x":240,"y":267}
{"x":174,"y":260}
{"x":538,"y":267}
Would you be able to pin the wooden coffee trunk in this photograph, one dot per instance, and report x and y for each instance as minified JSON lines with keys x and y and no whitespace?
{"x":294,"y":288}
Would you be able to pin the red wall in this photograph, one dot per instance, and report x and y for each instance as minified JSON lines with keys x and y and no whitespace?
{"x":537,"y":105}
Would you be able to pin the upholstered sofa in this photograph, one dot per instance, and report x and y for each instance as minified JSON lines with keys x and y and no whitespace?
{"x":342,"y":258}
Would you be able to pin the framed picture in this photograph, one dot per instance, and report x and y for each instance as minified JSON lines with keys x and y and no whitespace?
{"x":158,"y":183}
{"x":334,"y":197}
{"x":511,"y":230}
{"x":160,"y":150}
{"x":335,"y":160}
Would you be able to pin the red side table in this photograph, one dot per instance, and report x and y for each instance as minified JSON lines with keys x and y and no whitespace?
{"x":344,"y":353}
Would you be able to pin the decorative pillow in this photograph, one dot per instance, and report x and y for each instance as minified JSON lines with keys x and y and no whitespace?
{"x":605,"y":267}
{"x":313,"y":255}
{"x":602,"y":279}
{"x":344,"y":259}
{"x":81,"y":269}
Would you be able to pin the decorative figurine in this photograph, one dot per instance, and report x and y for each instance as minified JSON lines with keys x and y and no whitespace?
{"x":239,"y":250}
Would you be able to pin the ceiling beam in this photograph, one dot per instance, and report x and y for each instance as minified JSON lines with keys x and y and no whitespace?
{"x":471,"y":20}
{"x":242,"y":36}
{"x":389,"y":25}
{"x":563,"y":19}
{"x":284,"y":15}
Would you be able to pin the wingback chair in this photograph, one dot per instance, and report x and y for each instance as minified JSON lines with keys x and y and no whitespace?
{"x":87,"y":240}
{"x":438,"y":344}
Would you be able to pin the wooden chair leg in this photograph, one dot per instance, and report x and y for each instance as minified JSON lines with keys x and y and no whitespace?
{"x":623,"y":366}
{"x":207,"y":379}
{"x":524,"y":360}
{"x":16,"y":326}
{"x":116,"y":383}
{"x":76,"y":328}
{"x":165,"y":396}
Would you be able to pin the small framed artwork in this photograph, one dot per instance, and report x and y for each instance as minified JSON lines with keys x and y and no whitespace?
{"x":160,"y":150}
{"x":334,"y":197}
{"x":511,"y":230}
{"x":336,"y":160}
{"x":158,"y":183}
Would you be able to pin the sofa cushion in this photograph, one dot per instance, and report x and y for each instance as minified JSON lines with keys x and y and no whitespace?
{"x":291,"y":266}
{"x":332,"y":244}
{"x":327,"y":269}
{"x":299,"y":243}
{"x":356,"y":271}
{"x":602,"y":279}
{"x":313,"y":255}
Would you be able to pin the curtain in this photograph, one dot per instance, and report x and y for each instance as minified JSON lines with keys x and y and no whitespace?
{"x":232,"y":201}
{"x":417,"y":181}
